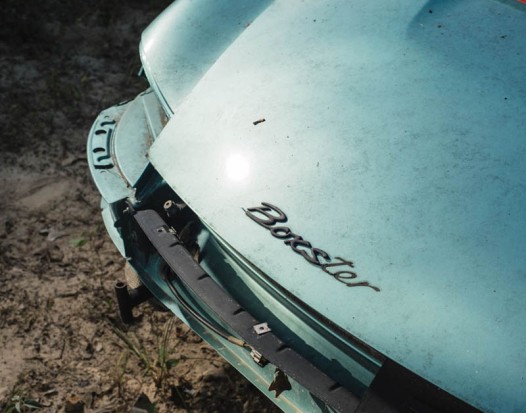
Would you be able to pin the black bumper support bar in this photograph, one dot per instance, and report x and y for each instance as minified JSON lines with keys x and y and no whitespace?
{"x":238,"y":319}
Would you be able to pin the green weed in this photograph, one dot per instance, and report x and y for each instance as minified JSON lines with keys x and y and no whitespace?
{"x":156,"y":367}
{"x":22,"y":404}
{"x":79,"y":242}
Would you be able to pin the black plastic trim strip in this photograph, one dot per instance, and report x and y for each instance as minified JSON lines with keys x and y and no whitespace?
{"x":238,"y":319}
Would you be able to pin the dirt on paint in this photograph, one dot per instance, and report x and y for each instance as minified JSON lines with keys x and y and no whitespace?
{"x":62,"y":346}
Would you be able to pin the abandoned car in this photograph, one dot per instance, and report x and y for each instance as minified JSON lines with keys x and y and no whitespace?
{"x":332,"y":194}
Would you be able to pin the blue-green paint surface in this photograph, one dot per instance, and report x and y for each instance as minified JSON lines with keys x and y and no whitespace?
{"x":394,"y":137}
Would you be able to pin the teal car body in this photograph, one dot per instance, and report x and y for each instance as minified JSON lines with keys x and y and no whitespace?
{"x":355,"y":173}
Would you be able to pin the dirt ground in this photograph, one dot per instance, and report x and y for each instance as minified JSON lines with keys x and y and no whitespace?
{"x":61,"y":342}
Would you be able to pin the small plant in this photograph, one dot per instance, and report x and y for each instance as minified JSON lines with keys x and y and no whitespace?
{"x":159,"y":367}
{"x":120,"y":370}
{"x":79,"y":242}
{"x":164,"y":363}
{"x":22,"y":404}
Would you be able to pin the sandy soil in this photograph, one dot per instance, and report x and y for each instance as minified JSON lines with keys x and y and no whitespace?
{"x":61,"y":342}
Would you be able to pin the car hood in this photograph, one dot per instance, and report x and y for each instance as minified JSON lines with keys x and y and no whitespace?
{"x":393,"y":136}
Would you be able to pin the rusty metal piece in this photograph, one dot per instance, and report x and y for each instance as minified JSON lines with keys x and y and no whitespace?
{"x":74,"y":404}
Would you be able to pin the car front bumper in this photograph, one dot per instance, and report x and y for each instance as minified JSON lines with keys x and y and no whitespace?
{"x":310,"y":364}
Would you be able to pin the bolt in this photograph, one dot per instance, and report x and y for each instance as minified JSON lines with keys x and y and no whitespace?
{"x":171,"y":208}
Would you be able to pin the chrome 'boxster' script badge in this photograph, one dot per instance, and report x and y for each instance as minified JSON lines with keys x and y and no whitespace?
{"x":270,"y":217}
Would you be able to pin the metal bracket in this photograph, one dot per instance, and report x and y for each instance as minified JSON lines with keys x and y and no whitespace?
{"x":262,"y":328}
{"x":258,"y":358}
